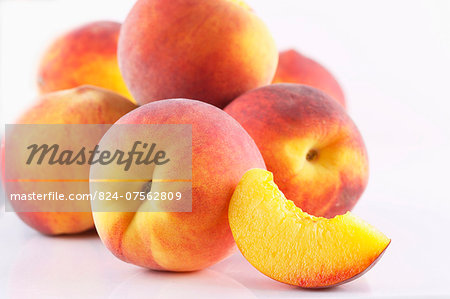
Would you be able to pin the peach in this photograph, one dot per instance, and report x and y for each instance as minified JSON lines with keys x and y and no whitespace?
{"x":84,"y":55}
{"x":308,"y":141}
{"x":294,"y":67}
{"x":290,"y":246}
{"x":211,"y":51}
{"x":81,"y":105}
{"x":222,"y":152}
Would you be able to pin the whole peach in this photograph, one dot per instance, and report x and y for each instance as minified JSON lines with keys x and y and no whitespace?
{"x":81,"y":105}
{"x":294,"y":67}
{"x":211,"y":51}
{"x":308,"y":141}
{"x":84,"y":55}
{"x":222,"y":152}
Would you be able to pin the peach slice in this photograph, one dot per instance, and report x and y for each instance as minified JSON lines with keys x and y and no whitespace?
{"x":293,"y":247}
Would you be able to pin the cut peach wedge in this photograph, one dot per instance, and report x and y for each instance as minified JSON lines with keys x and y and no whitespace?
{"x":293,"y":247}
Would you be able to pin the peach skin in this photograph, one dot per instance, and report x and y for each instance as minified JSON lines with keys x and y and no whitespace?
{"x":84,"y":55}
{"x":81,"y":105}
{"x":308,"y":141}
{"x":294,"y":67}
{"x":222,"y":152}
{"x":211,"y":51}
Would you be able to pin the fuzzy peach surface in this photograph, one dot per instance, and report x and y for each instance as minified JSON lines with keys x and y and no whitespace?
{"x":184,"y":241}
{"x":211,"y":51}
{"x":294,"y":67}
{"x":308,"y":141}
{"x":82,"y":105}
{"x":84,"y":55}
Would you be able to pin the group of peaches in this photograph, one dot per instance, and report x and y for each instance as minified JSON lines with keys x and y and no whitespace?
{"x":277,"y":163}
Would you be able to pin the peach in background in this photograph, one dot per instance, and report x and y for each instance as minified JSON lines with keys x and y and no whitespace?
{"x":84,"y":55}
{"x":294,"y":67}
{"x":81,"y":105}
{"x":211,"y":51}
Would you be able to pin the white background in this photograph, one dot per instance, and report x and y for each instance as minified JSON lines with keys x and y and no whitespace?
{"x":393,"y":61}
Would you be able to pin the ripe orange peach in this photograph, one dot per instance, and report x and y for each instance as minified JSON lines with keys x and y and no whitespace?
{"x":290,"y":246}
{"x":178,"y":241}
{"x":294,"y":67}
{"x":308,"y":141}
{"x":84,"y":55}
{"x":211,"y":51}
{"x":81,"y":105}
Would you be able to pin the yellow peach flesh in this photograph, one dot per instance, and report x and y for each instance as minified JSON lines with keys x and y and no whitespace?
{"x":293,"y":247}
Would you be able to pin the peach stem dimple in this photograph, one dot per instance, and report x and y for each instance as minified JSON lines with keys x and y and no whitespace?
{"x":312,"y":155}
